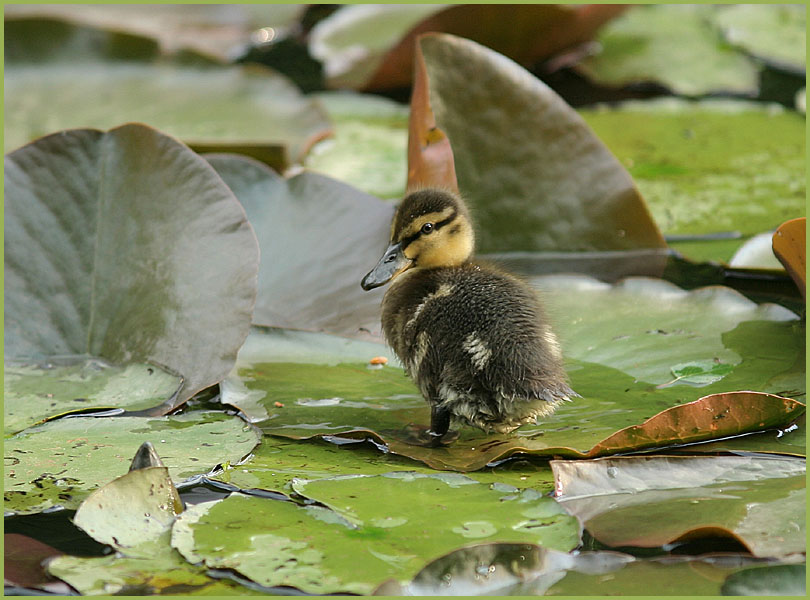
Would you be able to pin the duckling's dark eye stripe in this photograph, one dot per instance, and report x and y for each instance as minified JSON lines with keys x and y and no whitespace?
{"x":411,"y":238}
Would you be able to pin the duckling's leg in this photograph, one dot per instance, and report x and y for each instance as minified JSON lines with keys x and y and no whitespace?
{"x":439,"y":424}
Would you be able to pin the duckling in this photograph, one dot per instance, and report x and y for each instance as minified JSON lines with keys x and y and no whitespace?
{"x":474,"y":339}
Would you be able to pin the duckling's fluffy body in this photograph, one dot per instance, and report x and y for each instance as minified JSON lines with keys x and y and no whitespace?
{"x":474,"y":339}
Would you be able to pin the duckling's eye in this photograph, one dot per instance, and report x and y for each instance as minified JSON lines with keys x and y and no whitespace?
{"x":427,"y":227}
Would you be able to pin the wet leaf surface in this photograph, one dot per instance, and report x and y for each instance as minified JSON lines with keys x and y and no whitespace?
{"x":652,"y":501}
{"x":62,"y":461}
{"x":105,"y":78}
{"x":317,"y":550}
{"x":104,"y":217}
{"x":515,"y":166}
{"x":330,"y":234}
{"x":529,"y":570}
{"x":627,"y":404}
{"x":132,"y":512}
{"x":693,"y":161}
{"x":36,"y":392}
{"x":789,"y":246}
{"x":674,"y":45}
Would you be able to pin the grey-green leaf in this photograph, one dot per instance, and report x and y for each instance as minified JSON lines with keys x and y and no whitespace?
{"x":126,"y":245}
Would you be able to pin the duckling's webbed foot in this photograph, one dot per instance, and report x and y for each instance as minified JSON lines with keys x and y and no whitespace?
{"x":437,"y":435}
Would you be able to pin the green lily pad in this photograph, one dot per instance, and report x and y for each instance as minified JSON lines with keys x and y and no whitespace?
{"x":166,"y":573}
{"x":368,"y":148}
{"x":774,"y":32}
{"x":277,"y":462}
{"x":105,"y":78}
{"x":693,"y":161}
{"x":529,"y":159}
{"x":109,"y":253}
{"x":317,"y":550}
{"x":329,"y":235}
{"x":35,"y":393}
{"x":674,"y":45}
{"x":776,"y":580}
{"x":132,"y":512}
{"x":652,"y":501}
{"x":700,"y":372}
{"x":60,"y":462}
{"x":627,"y":404}
{"x":528,"y":570}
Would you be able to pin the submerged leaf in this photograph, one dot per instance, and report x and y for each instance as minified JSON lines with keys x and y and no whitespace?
{"x":652,"y":501}
{"x":515,"y":164}
{"x":109,"y":253}
{"x":777,"y":580}
{"x":60,"y":462}
{"x":318,"y":237}
{"x":35,"y":393}
{"x":104,"y":78}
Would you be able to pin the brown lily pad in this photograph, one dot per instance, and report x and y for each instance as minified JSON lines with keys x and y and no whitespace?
{"x":534,"y":173}
{"x":789,"y":246}
{"x":23,"y":563}
{"x":651,"y":501}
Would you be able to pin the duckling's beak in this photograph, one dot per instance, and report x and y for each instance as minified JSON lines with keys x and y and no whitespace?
{"x":392,"y":263}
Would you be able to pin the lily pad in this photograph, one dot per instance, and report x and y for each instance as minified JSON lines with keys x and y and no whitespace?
{"x":790,"y":440}
{"x":60,"y":462}
{"x":104,"y":78}
{"x":652,"y":501}
{"x":530,"y":159}
{"x":165,"y":573}
{"x":277,"y":462}
{"x":108,"y":253}
{"x":528,"y":570}
{"x":627,"y":404}
{"x":324,"y":236}
{"x":316,"y":550}
{"x":773,"y":32}
{"x":35,"y":393}
{"x":367,"y":149}
{"x":22,"y":564}
{"x":674,"y":45}
{"x":131,"y":512}
{"x":371,"y":47}
{"x":693,"y":161}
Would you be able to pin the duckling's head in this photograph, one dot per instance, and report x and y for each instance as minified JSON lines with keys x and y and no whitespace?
{"x":431,"y":228}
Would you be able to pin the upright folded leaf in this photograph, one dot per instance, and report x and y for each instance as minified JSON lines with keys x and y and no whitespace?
{"x":536,"y":175}
{"x":126,"y":245}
